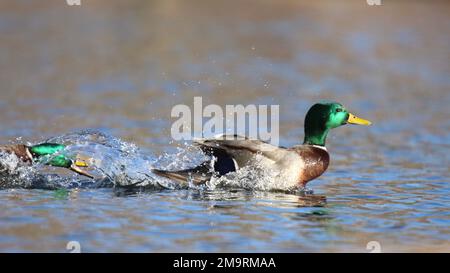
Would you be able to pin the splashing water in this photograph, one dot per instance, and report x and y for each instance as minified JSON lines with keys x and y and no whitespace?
{"x":111,"y":158}
{"x":256,"y":177}
{"x":116,"y":163}
{"x":111,"y":161}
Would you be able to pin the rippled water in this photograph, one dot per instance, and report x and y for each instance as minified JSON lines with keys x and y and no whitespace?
{"x":120,"y":67}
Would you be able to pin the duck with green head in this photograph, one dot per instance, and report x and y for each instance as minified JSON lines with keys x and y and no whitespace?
{"x":48,"y":153}
{"x":294,"y":166}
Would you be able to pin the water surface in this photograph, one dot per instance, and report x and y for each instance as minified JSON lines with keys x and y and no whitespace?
{"x":120,"y":67}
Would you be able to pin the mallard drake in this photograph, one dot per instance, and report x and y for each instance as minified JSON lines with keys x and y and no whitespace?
{"x":294,"y":166}
{"x":43,"y":153}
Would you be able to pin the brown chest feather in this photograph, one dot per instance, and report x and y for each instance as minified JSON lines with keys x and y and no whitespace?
{"x":21,"y":151}
{"x":316,"y":162}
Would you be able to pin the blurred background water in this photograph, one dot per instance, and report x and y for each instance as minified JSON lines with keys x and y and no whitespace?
{"x":120,"y":66}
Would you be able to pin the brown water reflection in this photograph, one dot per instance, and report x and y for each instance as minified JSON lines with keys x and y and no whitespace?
{"x":120,"y":66}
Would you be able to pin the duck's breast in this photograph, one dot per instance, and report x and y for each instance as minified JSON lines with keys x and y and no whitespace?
{"x":315,"y":162}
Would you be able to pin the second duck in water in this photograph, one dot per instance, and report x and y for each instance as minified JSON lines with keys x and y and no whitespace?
{"x":49,"y":153}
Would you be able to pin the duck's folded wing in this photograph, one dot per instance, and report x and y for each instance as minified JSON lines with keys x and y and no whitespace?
{"x":240,"y":149}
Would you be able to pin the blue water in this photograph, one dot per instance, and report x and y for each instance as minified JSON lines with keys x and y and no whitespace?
{"x":65,"y":70}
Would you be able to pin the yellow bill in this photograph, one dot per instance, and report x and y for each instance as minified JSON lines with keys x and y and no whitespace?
{"x":81,"y":163}
{"x":352,"y":119}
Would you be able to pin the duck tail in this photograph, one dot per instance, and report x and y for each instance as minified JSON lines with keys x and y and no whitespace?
{"x":198,"y":175}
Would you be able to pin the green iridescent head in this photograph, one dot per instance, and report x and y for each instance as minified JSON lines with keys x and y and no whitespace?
{"x":324,"y":116}
{"x":46,"y":150}
{"x":51,"y":154}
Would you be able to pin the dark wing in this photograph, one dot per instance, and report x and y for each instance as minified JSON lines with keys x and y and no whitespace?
{"x":220,"y":164}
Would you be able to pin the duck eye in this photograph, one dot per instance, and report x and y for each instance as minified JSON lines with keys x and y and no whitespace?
{"x":338,"y":110}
